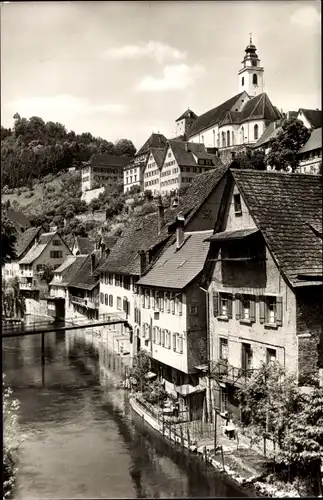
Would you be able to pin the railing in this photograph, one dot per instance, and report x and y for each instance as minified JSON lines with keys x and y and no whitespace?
{"x":231,"y":374}
{"x":86,"y":302}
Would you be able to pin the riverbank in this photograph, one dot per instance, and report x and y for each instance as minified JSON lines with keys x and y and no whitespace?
{"x":242,"y":464}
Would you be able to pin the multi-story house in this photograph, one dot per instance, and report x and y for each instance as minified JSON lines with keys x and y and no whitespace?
{"x":134,"y":170}
{"x":241,"y":120}
{"x":24,"y":242}
{"x":103,"y":170}
{"x":173,"y":316}
{"x":264,"y":280}
{"x":182,"y":162}
{"x":58,"y":293}
{"x":310,"y":156}
{"x":312,"y":118}
{"x":152,"y":170}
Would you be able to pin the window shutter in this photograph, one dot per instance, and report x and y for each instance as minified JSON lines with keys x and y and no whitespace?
{"x":152,"y":299}
{"x":161,"y":302}
{"x":238,"y":307}
{"x":252,"y":310}
{"x":181,"y":345}
{"x":180,"y":305}
{"x":154,"y":334}
{"x":174,"y":341}
{"x":149,"y":332}
{"x":261,"y":310}
{"x":173,"y":305}
{"x":139,"y":317}
{"x":229,"y":313}
{"x":143,"y":298}
{"x":163,"y":337}
{"x":279,"y":311}
{"x":215,"y":304}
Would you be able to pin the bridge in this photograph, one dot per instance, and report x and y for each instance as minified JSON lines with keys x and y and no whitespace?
{"x":60,"y":325}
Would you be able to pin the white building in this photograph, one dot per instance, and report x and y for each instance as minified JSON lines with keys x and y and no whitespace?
{"x":103,"y":170}
{"x":311,"y":154}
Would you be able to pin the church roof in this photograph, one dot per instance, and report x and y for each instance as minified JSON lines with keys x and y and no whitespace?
{"x":270,"y":132}
{"x":213,"y":116}
{"x":187,"y":114}
{"x":257,"y":108}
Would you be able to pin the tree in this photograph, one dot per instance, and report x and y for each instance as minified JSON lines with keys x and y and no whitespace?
{"x":124,"y":147}
{"x":285,"y":146}
{"x":46,"y":273}
{"x":13,"y":302}
{"x":250,"y":158}
{"x":140,"y":369}
{"x":8,"y":240}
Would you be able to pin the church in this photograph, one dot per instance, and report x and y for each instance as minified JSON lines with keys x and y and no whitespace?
{"x":238,"y":122}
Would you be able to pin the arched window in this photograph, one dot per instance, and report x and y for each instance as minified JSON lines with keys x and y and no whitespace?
{"x":242,"y":81}
{"x":228,"y":138}
{"x":242,"y":135}
{"x":232,"y":138}
{"x":223,"y":140}
{"x":218,"y":140}
{"x":255,"y":79}
{"x":255,"y":132}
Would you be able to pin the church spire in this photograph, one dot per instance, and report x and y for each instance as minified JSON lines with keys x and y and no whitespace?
{"x":251,"y":73}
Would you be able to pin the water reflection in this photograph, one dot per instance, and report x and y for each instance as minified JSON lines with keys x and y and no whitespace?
{"x":81,"y":437}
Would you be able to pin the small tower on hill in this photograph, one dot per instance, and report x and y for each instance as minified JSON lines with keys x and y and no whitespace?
{"x":251,"y":75}
{"x":184,"y":122}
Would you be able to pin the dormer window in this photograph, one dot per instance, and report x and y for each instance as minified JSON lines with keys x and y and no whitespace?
{"x":237,"y":204}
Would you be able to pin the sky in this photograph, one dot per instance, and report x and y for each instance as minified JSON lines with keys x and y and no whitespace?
{"x":127,"y":69}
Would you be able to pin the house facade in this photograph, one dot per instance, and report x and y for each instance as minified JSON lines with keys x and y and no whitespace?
{"x":264,"y":260}
{"x":310,"y":156}
{"x":152,"y":170}
{"x":103,"y":170}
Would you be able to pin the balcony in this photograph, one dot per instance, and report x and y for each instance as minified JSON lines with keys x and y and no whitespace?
{"x":26,"y":274}
{"x":233,"y":375}
{"x":86,"y":302}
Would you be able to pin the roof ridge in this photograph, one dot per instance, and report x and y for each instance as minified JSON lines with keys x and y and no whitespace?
{"x":272,"y":172}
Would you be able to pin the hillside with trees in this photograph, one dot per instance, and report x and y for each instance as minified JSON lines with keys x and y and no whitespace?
{"x":33,"y":149}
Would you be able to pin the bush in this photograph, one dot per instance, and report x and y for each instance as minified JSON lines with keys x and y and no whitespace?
{"x":10,"y":440}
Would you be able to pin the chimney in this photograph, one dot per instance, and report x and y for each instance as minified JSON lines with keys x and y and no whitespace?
{"x":142,"y":256}
{"x":161,"y":215}
{"x":186,"y":146}
{"x":179,"y":231}
{"x":175,"y":203}
{"x":92,"y":262}
{"x":102,"y":250}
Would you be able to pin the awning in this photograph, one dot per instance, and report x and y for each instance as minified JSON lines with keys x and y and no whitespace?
{"x":188,"y":389}
{"x":150,"y":375}
{"x":233,"y":235}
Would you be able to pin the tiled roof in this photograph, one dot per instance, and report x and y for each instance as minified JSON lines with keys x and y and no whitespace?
{"x":259,"y":108}
{"x":314,"y":116}
{"x":38,"y":249}
{"x":184,"y":151}
{"x":282,"y":206}
{"x":69,"y":269}
{"x":154,"y":141}
{"x":105,"y":160}
{"x":141,"y":232}
{"x":109,"y":241}
{"x":85,"y":245}
{"x":314,"y":142}
{"x":206,"y":120}
{"x":25,"y":239}
{"x":158,"y":155}
{"x":84,"y":278}
{"x":18,"y":219}
{"x":270,"y":132}
{"x":177,"y":268}
{"x":187,"y":114}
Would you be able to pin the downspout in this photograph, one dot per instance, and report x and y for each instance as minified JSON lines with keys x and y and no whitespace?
{"x":210,"y":413}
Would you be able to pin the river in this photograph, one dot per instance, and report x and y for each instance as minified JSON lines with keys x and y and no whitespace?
{"x":81,"y":439}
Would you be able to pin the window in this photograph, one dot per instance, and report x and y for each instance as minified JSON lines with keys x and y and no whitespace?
{"x":228,"y":138}
{"x":147,"y":299}
{"x":270,"y":356}
{"x":223,"y":139}
{"x":111,"y":300}
{"x":202,"y":138}
{"x":110,"y":279}
{"x":242,"y":81}
{"x":126,"y":282}
{"x":245,"y":308}
{"x":117,"y":280}
{"x":157,"y":335}
{"x":119,"y":303}
{"x":271,"y":310}
{"x":179,"y":304}
{"x":255,"y":132}
{"x":242,"y":135}
{"x":237,"y":204}
{"x":106,"y":299}
{"x":56,"y":254}
{"x":101,"y":298}
{"x":167,"y":339}
{"x":167,"y":302}
{"x":193,"y":309}
{"x":179,"y":343}
{"x":224,"y":349}
{"x":255,"y":79}
{"x":246,"y":357}
{"x":225,"y":305}
{"x":57,"y":243}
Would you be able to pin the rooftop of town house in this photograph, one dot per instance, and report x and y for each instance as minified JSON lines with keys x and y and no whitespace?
{"x":154,"y":141}
{"x":158,"y":155}
{"x":25,"y":239}
{"x":213,"y":116}
{"x":18,"y":219}
{"x":314,"y":141}
{"x":84,"y":244}
{"x":85,"y":278}
{"x":108,"y":161}
{"x":69,"y":269}
{"x":38,"y":249}
{"x":187,"y":114}
{"x":141,"y":232}
{"x":287,"y":208}
{"x":176,"y":268}
{"x":185,"y":153}
{"x":314,"y":116}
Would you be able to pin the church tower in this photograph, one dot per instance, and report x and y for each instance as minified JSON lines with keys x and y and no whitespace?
{"x":251,"y":75}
